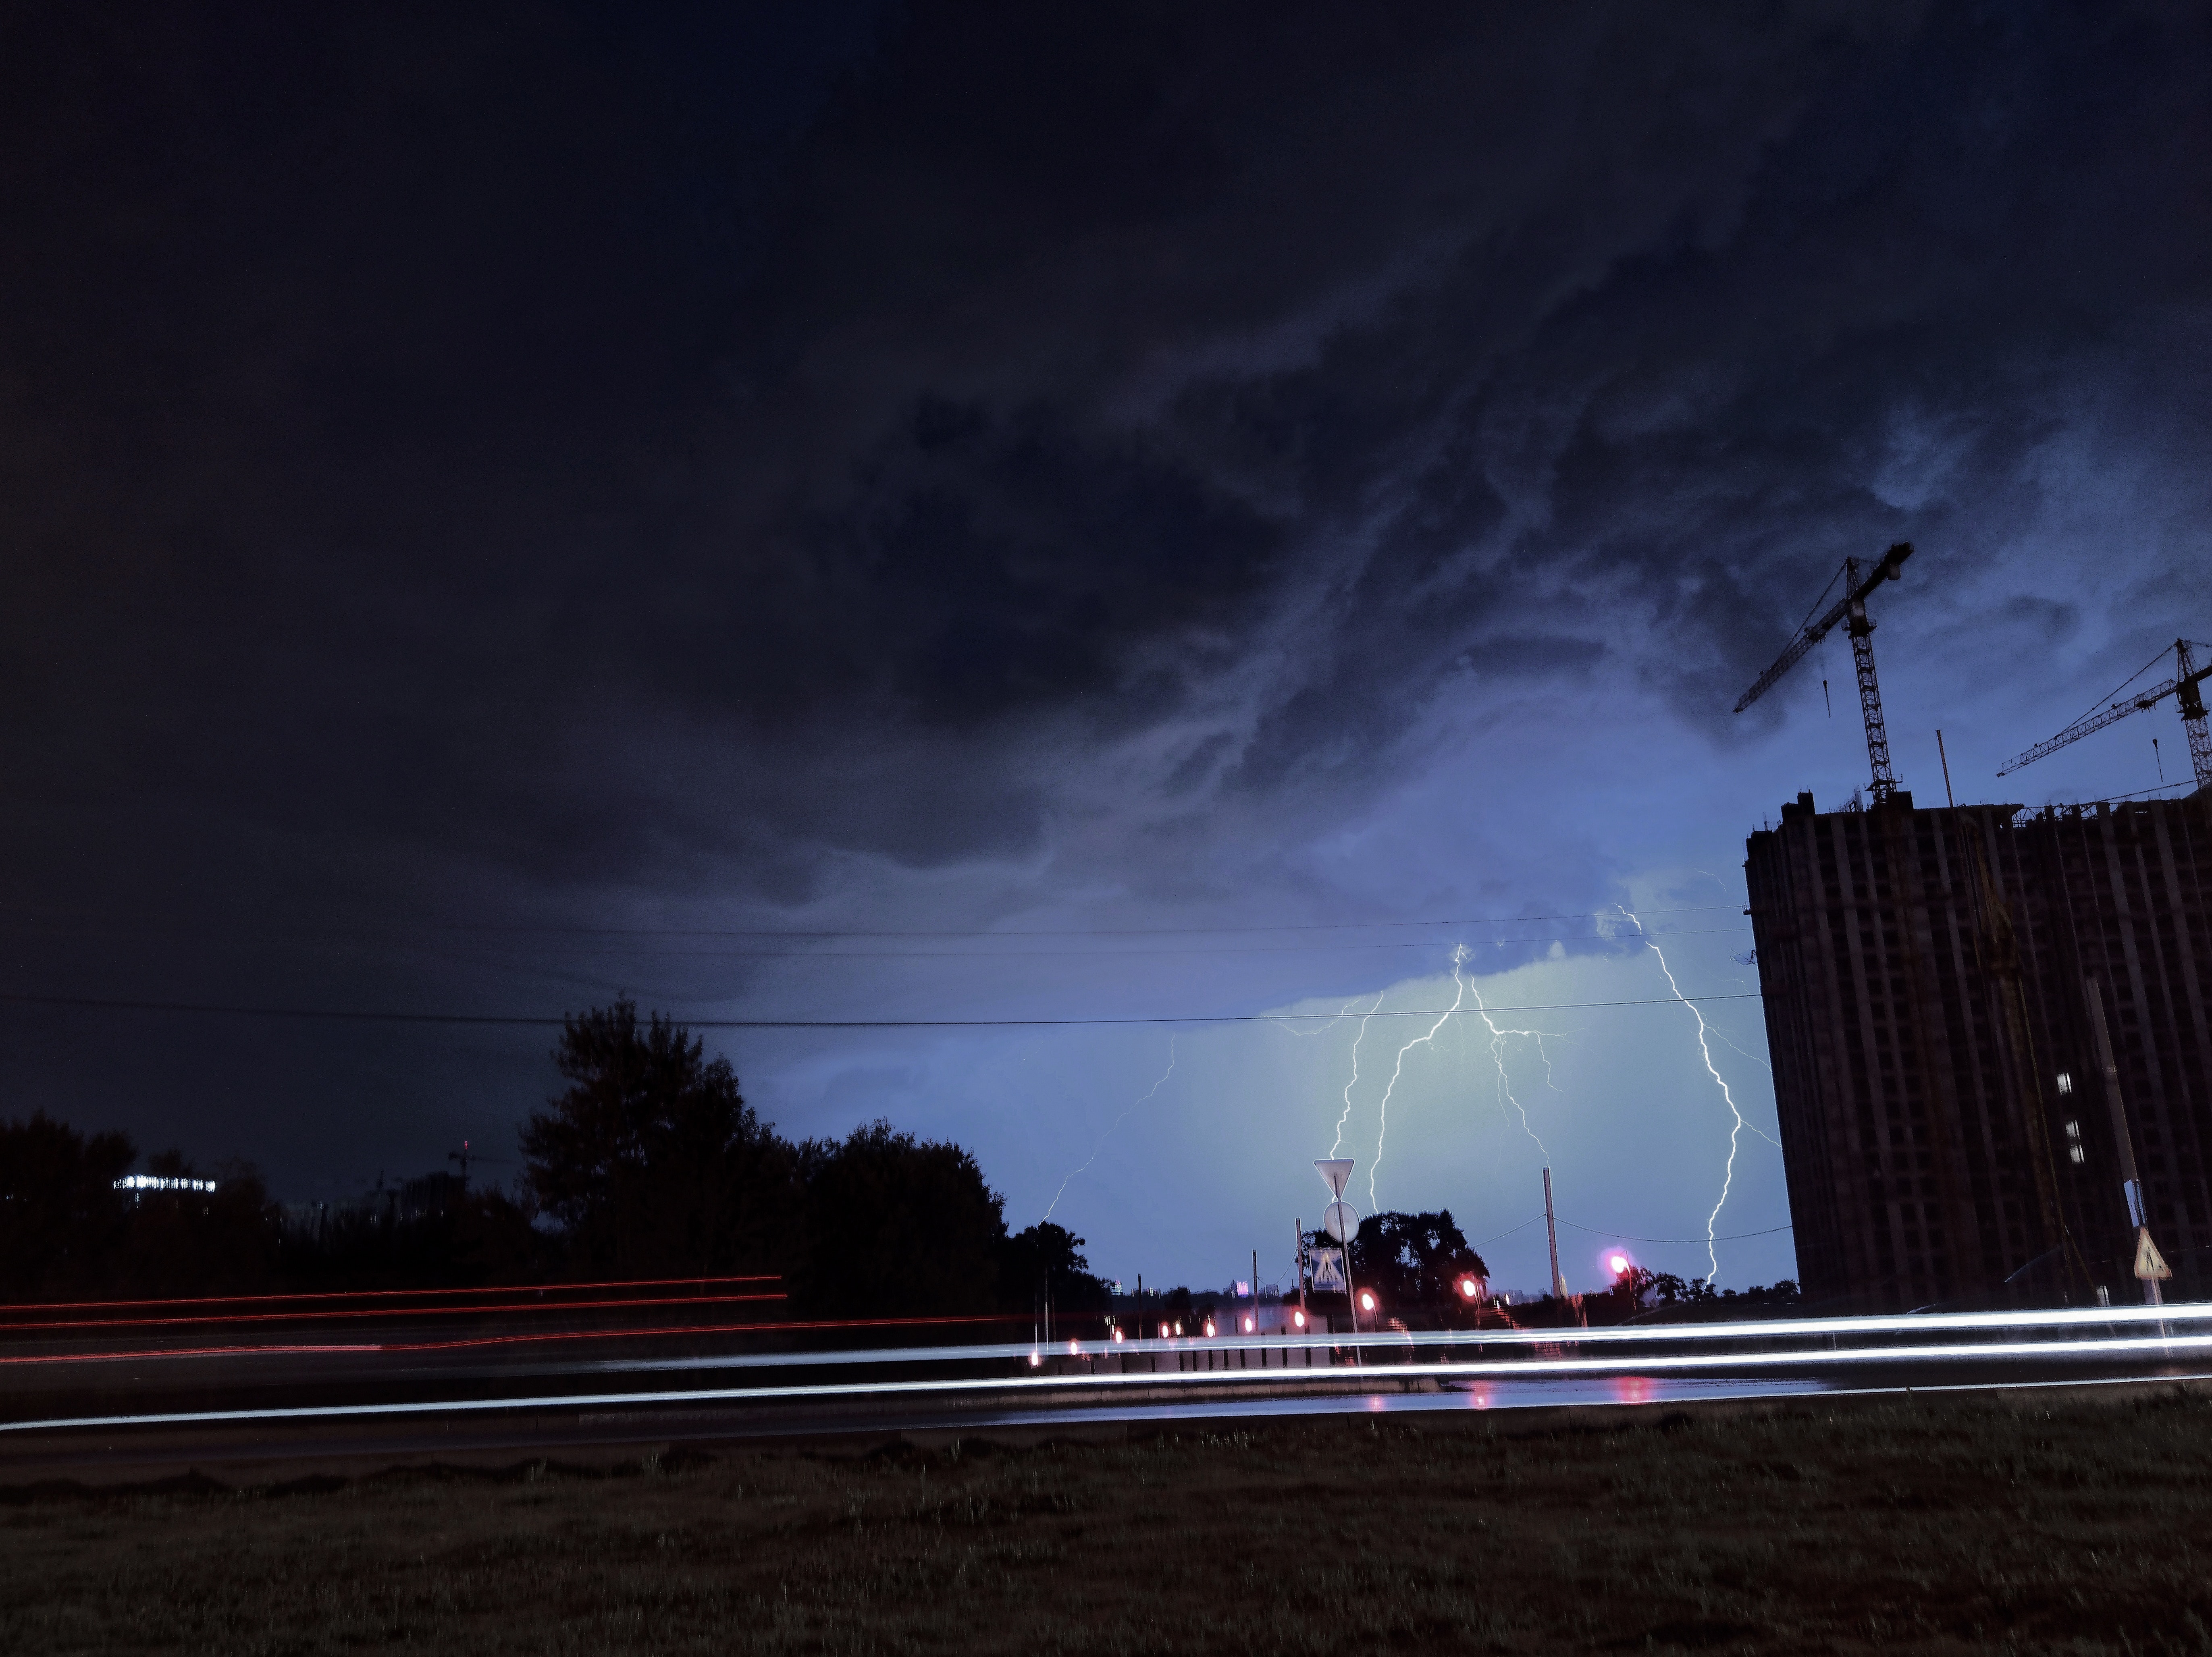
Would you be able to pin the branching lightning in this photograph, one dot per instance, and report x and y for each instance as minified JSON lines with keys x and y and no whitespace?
{"x":1337,"y":1143}
{"x":1727,"y":1178}
{"x":1753,"y":1127}
{"x":1116,"y":1122}
{"x":1382,"y":1117}
{"x":1343,"y":1013}
{"x":1505,"y":1093}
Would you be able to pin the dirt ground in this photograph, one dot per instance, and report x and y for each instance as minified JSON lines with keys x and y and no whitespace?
{"x":1975,"y":1523}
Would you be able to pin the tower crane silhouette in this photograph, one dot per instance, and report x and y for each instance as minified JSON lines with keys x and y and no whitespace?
{"x":1860,"y":577}
{"x":2182,"y":687}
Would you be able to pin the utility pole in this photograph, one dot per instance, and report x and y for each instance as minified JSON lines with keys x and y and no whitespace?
{"x":1552,"y":1232}
{"x":2130,"y":1183}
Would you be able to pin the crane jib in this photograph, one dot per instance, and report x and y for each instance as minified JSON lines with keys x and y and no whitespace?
{"x":1853,"y":605}
{"x":2182,"y":687}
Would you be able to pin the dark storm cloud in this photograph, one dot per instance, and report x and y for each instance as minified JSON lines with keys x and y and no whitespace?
{"x":417,"y":417}
{"x":544,"y":459}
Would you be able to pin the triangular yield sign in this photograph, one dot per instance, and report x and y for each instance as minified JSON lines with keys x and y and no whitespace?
{"x":1337,"y":1171}
{"x":2150,"y":1263}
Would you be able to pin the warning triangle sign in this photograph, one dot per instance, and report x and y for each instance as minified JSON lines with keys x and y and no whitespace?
{"x":2150,"y":1263}
{"x":1337,"y":1171}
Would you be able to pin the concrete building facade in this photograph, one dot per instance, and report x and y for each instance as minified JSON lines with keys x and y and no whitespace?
{"x":1946,"y":1128}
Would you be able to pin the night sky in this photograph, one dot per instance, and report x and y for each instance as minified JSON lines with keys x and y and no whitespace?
{"x":1033,"y":512}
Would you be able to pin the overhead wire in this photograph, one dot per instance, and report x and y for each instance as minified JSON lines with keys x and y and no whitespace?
{"x":924,"y":932}
{"x":524,"y":1020}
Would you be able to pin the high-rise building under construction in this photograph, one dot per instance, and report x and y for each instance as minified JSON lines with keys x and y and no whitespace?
{"x":1935,"y":981}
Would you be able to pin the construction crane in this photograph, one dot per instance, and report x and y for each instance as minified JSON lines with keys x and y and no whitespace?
{"x":1860,"y":579}
{"x":2182,"y":686}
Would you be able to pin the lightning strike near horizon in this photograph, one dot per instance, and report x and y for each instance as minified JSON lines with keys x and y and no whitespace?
{"x":1116,"y":1122}
{"x":1728,"y":1177}
{"x":1382,"y":1117}
{"x":1337,"y":1143}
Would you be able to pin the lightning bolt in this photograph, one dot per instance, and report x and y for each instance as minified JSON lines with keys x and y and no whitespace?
{"x":1383,"y":1119}
{"x":1117,"y":1122}
{"x":1727,"y":1178}
{"x":1343,"y":1012}
{"x":1753,"y":1127}
{"x":1505,"y":1094}
{"x":1337,"y":1141}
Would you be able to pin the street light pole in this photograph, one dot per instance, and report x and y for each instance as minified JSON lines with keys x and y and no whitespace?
{"x":1552,"y":1232}
{"x":2130,"y":1182}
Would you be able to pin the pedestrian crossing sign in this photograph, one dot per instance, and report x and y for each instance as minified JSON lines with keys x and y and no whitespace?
{"x":2150,"y":1263}
{"x":1327,"y":1269}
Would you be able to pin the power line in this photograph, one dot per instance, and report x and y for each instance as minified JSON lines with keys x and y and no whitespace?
{"x":538,"y":1022}
{"x":1114,"y":954}
{"x":837,"y":932}
{"x":1618,"y":1236}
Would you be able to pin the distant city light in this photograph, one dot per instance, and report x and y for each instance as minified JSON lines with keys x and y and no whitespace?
{"x":160,"y":1183}
{"x":1209,"y":1325}
{"x":1075,"y":1349}
{"x":1036,"y":1359}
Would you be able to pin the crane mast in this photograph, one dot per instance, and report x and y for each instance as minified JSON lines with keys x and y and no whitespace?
{"x":1859,"y":579}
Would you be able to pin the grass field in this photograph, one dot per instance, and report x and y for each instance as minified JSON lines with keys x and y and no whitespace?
{"x":1973,"y":1523}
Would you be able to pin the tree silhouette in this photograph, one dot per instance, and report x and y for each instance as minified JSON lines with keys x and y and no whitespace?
{"x":1413,"y":1260}
{"x":896,"y":1226}
{"x":1047,"y":1259}
{"x":651,"y":1160}
{"x":61,"y":1218}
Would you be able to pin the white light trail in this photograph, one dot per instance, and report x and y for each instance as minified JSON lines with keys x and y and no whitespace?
{"x":1382,"y":1114}
{"x":1337,"y":1143}
{"x":1117,"y":1122}
{"x":1728,"y":1176}
{"x":2165,"y":1345}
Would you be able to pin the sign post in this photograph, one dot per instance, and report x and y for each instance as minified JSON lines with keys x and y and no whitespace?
{"x":1342,"y":1222}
